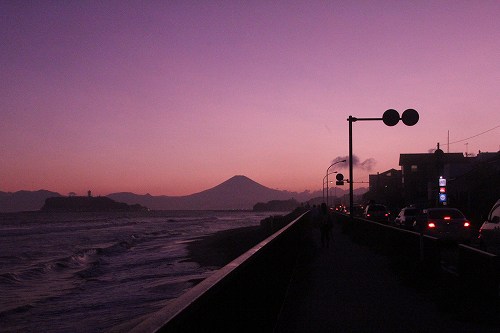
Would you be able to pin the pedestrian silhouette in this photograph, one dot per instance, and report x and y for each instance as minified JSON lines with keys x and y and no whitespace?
{"x":325,"y":225}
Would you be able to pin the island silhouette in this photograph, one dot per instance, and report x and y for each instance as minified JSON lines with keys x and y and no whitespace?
{"x":237,"y":193}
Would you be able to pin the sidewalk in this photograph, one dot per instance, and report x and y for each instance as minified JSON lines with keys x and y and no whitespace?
{"x":350,"y":288}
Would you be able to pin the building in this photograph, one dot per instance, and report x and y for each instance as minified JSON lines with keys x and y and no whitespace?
{"x":476,"y":190}
{"x":472,"y":182}
{"x":470,"y":179}
{"x":385,"y":188}
{"x":421,"y":172}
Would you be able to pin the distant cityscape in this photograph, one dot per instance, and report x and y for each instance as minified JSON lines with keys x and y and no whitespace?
{"x":472,"y":185}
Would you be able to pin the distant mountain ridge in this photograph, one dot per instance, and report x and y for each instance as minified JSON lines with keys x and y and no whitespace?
{"x":21,"y":201}
{"x":238,"y":192}
{"x":88,"y":204}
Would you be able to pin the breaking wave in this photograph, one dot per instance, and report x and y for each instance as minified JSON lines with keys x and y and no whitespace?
{"x":89,"y":273}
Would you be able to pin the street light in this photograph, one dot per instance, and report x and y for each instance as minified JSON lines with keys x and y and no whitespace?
{"x":324,"y":185}
{"x":390,"y":118}
{"x":327,"y":181}
{"x":327,"y":177}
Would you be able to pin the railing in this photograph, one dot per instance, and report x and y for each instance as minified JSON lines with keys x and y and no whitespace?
{"x":394,"y":241}
{"x":245,"y":295}
{"x":479,"y":275}
{"x":475,"y":282}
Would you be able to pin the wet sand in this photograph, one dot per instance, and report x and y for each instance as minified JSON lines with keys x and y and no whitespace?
{"x":218,"y":249}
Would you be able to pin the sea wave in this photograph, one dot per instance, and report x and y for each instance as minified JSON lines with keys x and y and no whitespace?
{"x":10,"y":278}
{"x":16,"y":310}
{"x":60,"y":270}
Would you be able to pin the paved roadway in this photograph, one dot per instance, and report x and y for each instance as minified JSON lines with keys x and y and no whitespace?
{"x":350,"y":288}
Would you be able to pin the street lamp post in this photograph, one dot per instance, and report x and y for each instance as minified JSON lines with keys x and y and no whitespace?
{"x":390,"y":118}
{"x":327,"y":177}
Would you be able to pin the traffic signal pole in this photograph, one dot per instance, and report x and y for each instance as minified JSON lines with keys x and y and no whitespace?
{"x":390,"y":118}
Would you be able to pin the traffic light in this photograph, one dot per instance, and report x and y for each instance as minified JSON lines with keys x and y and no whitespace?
{"x":340,"y":179}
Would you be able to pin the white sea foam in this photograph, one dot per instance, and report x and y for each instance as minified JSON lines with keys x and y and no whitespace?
{"x":91,"y":272}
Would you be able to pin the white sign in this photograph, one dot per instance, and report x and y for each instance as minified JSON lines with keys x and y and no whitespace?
{"x":442,"y":181}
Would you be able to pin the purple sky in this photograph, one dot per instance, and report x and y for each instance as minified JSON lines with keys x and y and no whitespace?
{"x":174,"y":97}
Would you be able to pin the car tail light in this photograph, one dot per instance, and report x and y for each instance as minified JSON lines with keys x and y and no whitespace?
{"x":431,"y":225}
{"x":447,"y":218}
{"x":466,"y":224}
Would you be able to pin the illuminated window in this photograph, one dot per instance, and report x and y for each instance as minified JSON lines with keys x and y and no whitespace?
{"x":414,"y":168}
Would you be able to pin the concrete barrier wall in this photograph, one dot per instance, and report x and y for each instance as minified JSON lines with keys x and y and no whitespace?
{"x":479,"y":274}
{"x":476,"y":281}
{"x":392,"y":241}
{"x":245,"y":295}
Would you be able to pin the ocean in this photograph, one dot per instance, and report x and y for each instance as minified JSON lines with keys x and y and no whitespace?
{"x":99,"y":272}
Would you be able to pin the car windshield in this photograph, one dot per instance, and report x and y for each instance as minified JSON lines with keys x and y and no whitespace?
{"x":495,"y":212}
{"x":441,"y":213}
{"x":377,"y":208}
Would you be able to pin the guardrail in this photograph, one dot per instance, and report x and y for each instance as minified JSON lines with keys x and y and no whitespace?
{"x":396,"y":242}
{"x":244,"y":295}
{"x":479,"y":274}
{"x":475,"y":283}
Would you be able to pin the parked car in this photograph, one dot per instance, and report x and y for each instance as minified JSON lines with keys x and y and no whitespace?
{"x":489,"y":233}
{"x":357,"y":210}
{"x":407,"y":217}
{"x":376,"y":212}
{"x":444,"y":223}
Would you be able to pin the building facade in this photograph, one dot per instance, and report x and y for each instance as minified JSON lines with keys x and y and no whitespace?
{"x":385,"y":188}
{"x":472,"y":182}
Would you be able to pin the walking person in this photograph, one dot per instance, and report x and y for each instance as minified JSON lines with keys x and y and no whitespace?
{"x":325,"y":225}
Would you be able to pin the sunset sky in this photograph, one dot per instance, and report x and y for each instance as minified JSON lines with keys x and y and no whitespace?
{"x":175,"y":97}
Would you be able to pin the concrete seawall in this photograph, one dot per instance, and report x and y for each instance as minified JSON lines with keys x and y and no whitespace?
{"x":255,"y":293}
{"x":245,"y":295}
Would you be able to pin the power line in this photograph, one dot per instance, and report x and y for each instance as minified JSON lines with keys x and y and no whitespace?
{"x":489,"y":130}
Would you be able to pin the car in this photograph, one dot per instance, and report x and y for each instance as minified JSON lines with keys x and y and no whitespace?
{"x":377,"y":213}
{"x":341,"y":209}
{"x":489,"y":233}
{"x":357,"y":210}
{"x":444,"y":223}
{"x":407,"y":217}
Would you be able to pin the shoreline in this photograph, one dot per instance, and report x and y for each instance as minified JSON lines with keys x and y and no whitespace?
{"x":220,"y":248}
